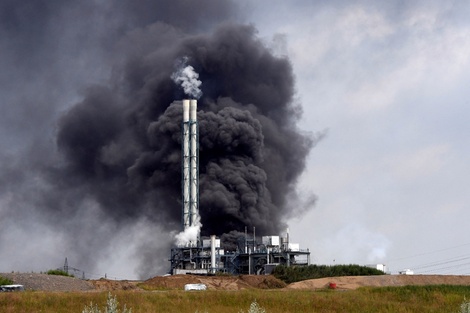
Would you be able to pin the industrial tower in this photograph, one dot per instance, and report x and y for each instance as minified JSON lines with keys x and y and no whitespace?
{"x":190,"y":165}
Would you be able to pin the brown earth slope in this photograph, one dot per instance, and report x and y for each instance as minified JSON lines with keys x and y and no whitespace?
{"x":109,"y":285}
{"x":43,"y":282}
{"x":216,"y":282}
{"x":354,"y":282}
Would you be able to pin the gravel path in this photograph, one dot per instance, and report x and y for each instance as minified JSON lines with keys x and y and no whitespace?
{"x":44,"y":282}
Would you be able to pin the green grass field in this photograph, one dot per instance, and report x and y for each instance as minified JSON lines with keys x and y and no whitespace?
{"x":387,"y":299}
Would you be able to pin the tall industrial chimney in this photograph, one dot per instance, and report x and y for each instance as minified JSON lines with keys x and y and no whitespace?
{"x":194,"y":162}
{"x":185,"y":166}
{"x":190,"y":164}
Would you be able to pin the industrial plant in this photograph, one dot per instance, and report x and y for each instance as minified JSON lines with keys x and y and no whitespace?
{"x":197,"y":255}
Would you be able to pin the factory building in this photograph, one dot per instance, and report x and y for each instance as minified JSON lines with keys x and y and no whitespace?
{"x":196,"y":255}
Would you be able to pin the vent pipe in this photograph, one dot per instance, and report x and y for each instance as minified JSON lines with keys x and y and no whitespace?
{"x":213,"y":265}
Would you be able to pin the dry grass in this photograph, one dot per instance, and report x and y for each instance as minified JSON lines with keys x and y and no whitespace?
{"x":392,"y":299}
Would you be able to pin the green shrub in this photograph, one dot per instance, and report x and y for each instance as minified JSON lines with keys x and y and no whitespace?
{"x":5,"y":281}
{"x":59,"y":272}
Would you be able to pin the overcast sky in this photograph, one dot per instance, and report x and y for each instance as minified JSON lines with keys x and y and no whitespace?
{"x":388,"y":83}
{"x":385,"y":83}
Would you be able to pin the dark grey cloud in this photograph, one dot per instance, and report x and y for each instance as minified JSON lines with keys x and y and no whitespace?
{"x":94,"y":132}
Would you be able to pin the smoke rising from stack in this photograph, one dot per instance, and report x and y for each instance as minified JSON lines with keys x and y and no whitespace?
{"x":119,"y":147}
{"x":187,"y":78}
{"x":189,"y":235}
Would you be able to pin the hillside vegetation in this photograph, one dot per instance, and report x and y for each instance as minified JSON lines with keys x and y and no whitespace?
{"x":298,"y":273}
{"x":59,"y":273}
{"x":5,"y":281}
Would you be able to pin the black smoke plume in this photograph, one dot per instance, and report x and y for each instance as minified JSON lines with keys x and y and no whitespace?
{"x":118,"y":164}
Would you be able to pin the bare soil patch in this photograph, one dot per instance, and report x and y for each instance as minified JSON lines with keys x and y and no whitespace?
{"x":354,"y":282}
{"x":44,"y":282}
{"x":216,"y":282}
{"x":110,"y":285}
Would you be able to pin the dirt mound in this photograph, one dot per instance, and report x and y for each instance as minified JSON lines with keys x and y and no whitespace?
{"x":215,"y":282}
{"x":263,"y":282}
{"x":354,"y":282}
{"x":44,"y":282}
{"x":110,"y":285}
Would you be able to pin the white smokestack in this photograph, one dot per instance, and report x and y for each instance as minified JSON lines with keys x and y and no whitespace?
{"x":188,"y":78}
{"x":186,"y":166}
{"x":190,"y":176}
{"x":193,"y":110}
{"x":194,"y":162}
{"x":185,"y":110}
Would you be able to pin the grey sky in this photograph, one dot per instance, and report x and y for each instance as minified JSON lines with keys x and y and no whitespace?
{"x":388,"y":82}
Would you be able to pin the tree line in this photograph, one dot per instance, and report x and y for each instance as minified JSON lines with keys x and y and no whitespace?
{"x":293,"y":274}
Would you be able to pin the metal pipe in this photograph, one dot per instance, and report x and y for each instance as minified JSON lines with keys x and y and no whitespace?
{"x":254,"y":239}
{"x":287,"y":248}
{"x":191,"y":261}
{"x":213,"y":265}
{"x":249,"y":262}
{"x":287,"y":235}
{"x":246,"y":241}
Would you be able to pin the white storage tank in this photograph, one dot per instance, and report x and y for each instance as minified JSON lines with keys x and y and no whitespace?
{"x":270,"y":240}
{"x":380,"y":267}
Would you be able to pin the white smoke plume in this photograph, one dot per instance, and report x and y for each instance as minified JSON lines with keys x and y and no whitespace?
{"x":188,"y":78}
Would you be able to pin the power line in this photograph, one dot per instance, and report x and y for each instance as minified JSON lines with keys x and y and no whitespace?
{"x":442,"y":262}
{"x":448,"y":267}
{"x":88,"y":275}
{"x":430,"y":252}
